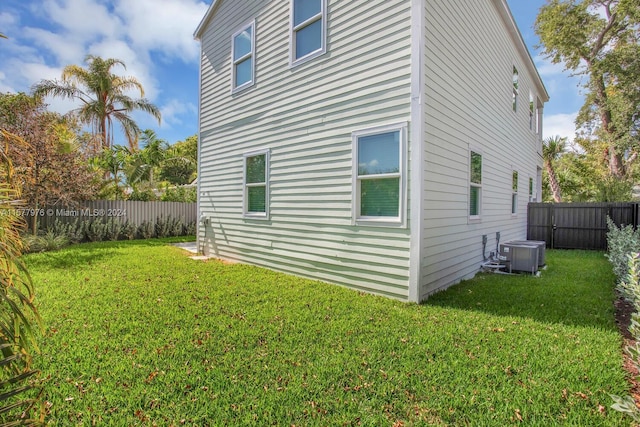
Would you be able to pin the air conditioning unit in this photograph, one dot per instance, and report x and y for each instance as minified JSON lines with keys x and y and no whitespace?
{"x":519,"y":257}
{"x":540,"y":244}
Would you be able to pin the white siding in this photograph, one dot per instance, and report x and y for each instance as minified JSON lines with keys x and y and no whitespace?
{"x":305,"y":116}
{"x":469,"y":56}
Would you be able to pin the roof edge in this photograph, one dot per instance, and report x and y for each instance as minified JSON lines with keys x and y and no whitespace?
{"x":207,"y":16}
{"x":507,"y":16}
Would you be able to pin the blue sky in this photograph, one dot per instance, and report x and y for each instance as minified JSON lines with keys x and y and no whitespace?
{"x":155,"y":40}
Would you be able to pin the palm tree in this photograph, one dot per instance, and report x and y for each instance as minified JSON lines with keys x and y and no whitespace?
{"x":18,"y":314}
{"x":145,"y":161}
{"x":103,"y":97}
{"x":552,"y":148}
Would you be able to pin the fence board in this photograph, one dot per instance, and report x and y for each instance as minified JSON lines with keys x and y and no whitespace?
{"x":124,"y":210}
{"x":577,"y":225}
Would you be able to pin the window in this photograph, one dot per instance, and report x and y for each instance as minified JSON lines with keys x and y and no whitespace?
{"x":256,"y":184}
{"x":515,"y":89}
{"x":514,"y":193}
{"x":243,"y":51}
{"x":379,"y":175}
{"x":532,"y":112}
{"x":308,"y":29}
{"x":475,"y":184}
{"x":531,"y":190}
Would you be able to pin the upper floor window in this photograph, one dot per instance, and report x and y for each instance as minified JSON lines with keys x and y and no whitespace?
{"x":515,"y":89}
{"x":308,"y":29}
{"x":532,"y":112}
{"x":380,"y":175}
{"x":256,"y":184}
{"x":475,"y":184}
{"x":243,"y":50}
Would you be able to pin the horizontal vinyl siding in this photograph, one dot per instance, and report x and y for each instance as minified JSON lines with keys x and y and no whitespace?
{"x":469,"y":58}
{"x":305,"y":116}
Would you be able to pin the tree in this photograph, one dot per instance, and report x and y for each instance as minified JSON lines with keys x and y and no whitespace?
{"x":112,"y":161}
{"x":598,"y":39}
{"x":103,"y":98}
{"x":180,"y":164}
{"x":49,"y":168}
{"x":552,"y":148}
{"x":18,"y":315}
{"x":145,"y":161}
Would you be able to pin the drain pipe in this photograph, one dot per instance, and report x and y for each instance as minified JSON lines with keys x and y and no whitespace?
{"x":484,"y":247}
{"x":497,"y":243}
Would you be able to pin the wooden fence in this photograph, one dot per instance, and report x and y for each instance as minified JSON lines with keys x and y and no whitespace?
{"x":123,"y":210}
{"x":577,"y":225}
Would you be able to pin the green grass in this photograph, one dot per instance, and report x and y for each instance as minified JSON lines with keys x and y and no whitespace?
{"x":138,"y":334}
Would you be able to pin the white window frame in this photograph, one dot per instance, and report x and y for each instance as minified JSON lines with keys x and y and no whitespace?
{"x":531,"y":189}
{"x":245,"y":186}
{"x":401,"y":219}
{"x":252,"y":54}
{"x":293,"y":29}
{"x":478,"y":216}
{"x":516,"y":88}
{"x":532,"y":112}
{"x":514,"y":192}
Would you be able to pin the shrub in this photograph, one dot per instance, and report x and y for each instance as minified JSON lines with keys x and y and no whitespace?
{"x":180,"y":194}
{"x":96,"y":230}
{"x":113,"y":229}
{"x":128,"y":231}
{"x":146,"y":230}
{"x":621,"y":242}
{"x":190,"y":229}
{"x":73,"y":231}
{"x":49,"y":241}
{"x":630,"y":290}
{"x":147,"y":195}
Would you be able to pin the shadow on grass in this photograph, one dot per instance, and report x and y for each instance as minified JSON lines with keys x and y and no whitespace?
{"x":576,"y":289}
{"x":88,"y":253}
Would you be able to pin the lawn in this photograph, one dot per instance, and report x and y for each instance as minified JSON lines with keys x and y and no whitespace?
{"x":136,"y":333}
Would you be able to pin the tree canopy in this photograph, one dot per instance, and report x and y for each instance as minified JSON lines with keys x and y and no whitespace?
{"x":599,"y":40}
{"x":103,"y":96}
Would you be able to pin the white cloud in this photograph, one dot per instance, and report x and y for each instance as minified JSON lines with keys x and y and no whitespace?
{"x":560,"y":124}
{"x":172,"y":111}
{"x":7,"y":20}
{"x":86,"y":19}
{"x":164,"y":26}
{"x":66,"y":50}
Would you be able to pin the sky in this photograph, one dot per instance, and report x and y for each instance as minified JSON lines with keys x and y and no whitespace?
{"x":155,"y":40}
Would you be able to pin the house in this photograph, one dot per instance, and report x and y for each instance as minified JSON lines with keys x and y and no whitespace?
{"x":372,"y":144}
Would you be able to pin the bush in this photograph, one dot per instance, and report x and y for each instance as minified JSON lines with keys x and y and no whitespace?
{"x":74,"y":231}
{"x":49,"y":241}
{"x":180,"y":194}
{"x":128,"y":231}
{"x":146,"y":230}
{"x":621,"y":242}
{"x":147,"y":195}
{"x":630,"y":290}
{"x":96,"y":231}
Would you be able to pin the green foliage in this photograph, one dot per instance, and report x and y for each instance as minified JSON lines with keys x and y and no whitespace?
{"x":180,"y":194}
{"x":180,"y":163}
{"x":142,"y":195}
{"x":146,"y":230}
{"x":49,"y":241}
{"x":103,"y":98}
{"x":621,"y":241}
{"x":19,"y":318}
{"x":630,"y":290}
{"x":599,"y":40}
{"x":142,"y":335}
